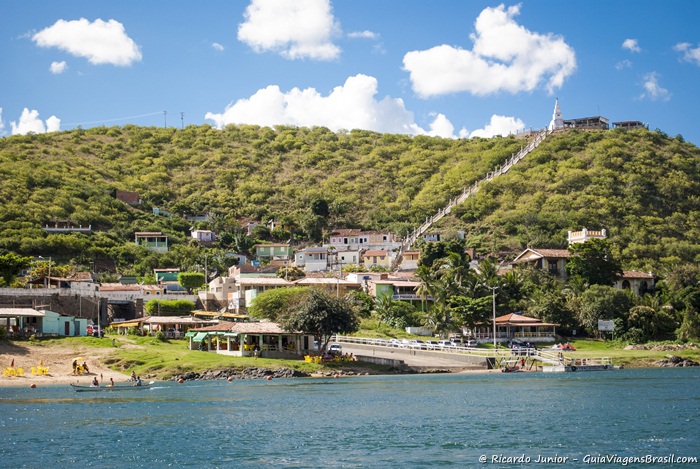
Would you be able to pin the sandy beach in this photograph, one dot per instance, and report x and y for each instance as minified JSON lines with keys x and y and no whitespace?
{"x":59,"y":362}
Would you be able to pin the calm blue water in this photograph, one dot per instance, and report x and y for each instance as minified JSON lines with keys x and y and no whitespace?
{"x":373,"y":421}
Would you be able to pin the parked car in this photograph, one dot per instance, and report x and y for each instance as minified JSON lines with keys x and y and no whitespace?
{"x":431,"y":345}
{"x":419,"y":344}
{"x":381,"y":342}
{"x":393,"y":343}
{"x":335,"y":349}
{"x":95,"y":331}
{"x":521,"y":348}
{"x":445,"y":344}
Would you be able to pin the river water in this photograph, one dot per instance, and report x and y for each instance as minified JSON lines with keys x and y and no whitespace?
{"x":371,"y":421}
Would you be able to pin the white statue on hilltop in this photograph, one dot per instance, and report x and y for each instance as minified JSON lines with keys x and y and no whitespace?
{"x":557,"y":118}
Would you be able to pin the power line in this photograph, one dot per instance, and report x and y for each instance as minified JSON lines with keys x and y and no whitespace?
{"x":112,"y":120}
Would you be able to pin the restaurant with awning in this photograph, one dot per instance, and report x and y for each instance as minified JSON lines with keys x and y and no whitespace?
{"x":242,"y":338}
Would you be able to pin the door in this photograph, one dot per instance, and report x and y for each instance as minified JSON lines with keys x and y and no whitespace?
{"x":67,"y":328}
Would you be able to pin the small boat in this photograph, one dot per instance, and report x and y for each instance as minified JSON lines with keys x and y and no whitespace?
{"x":116,"y":387}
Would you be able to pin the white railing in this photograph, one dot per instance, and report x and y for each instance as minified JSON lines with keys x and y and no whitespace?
{"x":467,"y":192}
{"x":448,"y":349}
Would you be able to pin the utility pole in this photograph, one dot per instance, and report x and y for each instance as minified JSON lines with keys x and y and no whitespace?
{"x":165,"y":119}
{"x":182,"y":118}
{"x":493,"y":292}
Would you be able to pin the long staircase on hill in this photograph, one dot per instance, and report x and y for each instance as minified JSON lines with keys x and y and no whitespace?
{"x":429,"y":221}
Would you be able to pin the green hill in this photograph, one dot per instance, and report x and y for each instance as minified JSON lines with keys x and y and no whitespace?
{"x":642,"y":186}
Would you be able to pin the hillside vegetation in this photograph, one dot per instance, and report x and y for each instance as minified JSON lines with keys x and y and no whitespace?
{"x":643,"y":187}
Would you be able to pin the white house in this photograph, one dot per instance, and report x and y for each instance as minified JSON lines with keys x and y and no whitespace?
{"x":204,"y":236}
{"x":314,"y":259}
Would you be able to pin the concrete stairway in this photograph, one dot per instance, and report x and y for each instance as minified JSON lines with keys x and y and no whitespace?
{"x":466,"y":193}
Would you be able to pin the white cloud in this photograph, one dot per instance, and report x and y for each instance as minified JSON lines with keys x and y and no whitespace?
{"x":631,"y":45}
{"x":29,"y":122}
{"x":442,"y":127}
{"x":363,"y":35}
{"x":101,"y":42}
{"x":295,"y":29}
{"x":623,"y":64}
{"x":217,"y":46}
{"x":499,"y":125}
{"x":689,"y":54}
{"x":58,"y":67}
{"x":653,"y":90}
{"x":505,"y":57}
{"x":350,"y":106}
{"x":53,"y":124}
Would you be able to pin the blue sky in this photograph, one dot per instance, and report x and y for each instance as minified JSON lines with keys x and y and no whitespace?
{"x":448,"y":68}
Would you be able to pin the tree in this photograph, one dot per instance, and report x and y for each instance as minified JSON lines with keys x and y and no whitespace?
{"x":169,"y":307}
{"x":11,"y":265}
{"x":322,"y":315}
{"x":644,"y":324}
{"x":690,"y":326}
{"x":320,"y":207}
{"x":190,"y":280}
{"x":594,"y":262}
{"x":603,"y":302}
{"x":277,"y":303}
{"x":469,"y":312}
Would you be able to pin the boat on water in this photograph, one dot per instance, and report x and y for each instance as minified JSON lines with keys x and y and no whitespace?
{"x":116,"y":387}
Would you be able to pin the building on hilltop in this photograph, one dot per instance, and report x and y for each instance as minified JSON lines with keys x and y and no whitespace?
{"x":588,"y":123}
{"x":629,"y":125}
{"x":585,"y":235}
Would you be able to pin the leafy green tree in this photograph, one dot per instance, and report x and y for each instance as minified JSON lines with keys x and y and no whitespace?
{"x":469,"y":312}
{"x":190,"y":280}
{"x":169,"y":307}
{"x":690,"y":325}
{"x":594,"y":262}
{"x":433,"y":251}
{"x":644,"y":324}
{"x":603,"y":302}
{"x":439,"y":319}
{"x":277,"y":303}
{"x":319,"y":207}
{"x":11,"y":265}
{"x":322,"y":315}
{"x":552,"y":306}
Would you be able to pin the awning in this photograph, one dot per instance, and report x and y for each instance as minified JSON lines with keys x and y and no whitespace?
{"x":200,"y":336}
{"x":127,"y":324}
{"x":230,"y":334}
{"x":190,"y":334}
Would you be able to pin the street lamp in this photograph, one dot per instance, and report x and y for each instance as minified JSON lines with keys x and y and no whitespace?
{"x":493,"y":292}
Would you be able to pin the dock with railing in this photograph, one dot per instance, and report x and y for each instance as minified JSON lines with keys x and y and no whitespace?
{"x":529,"y":359}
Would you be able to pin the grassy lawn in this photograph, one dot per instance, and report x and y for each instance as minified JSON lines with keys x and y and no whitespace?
{"x":148,"y":356}
{"x":632,"y":358}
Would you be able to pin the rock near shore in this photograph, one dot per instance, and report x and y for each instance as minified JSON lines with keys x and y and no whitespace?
{"x":676,"y":361}
{"x":248,"y":373}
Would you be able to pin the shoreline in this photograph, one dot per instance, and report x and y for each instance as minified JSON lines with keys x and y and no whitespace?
{"x":59,"y":362}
